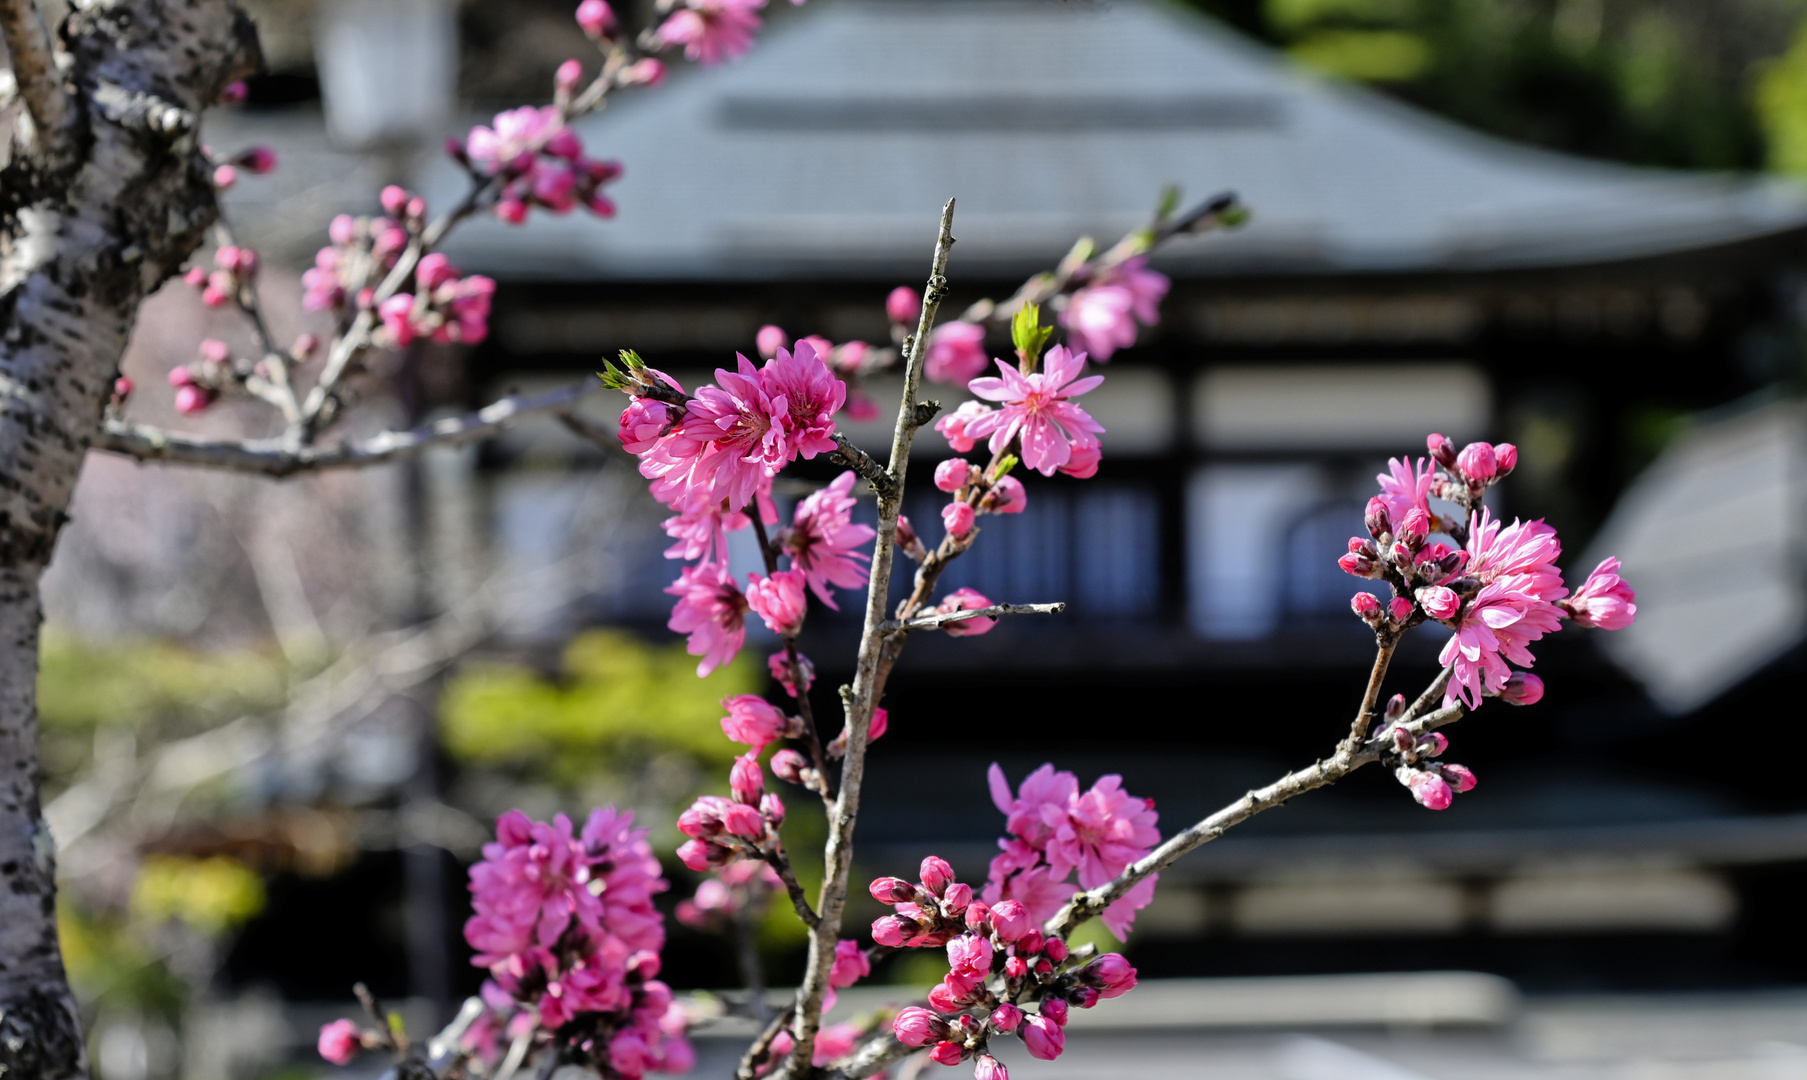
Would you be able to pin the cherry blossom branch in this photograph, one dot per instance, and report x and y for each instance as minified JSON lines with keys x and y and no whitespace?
{"x":1085,"y":905}
{"x":780,"y":862}
{"x":863,"y":463}
{"x":795,"y":664}
{"x":862,"y":697}
{"x":279,"y":458}
{"x":1386,"y":640}
{"x":34,"y":72}
{"x":939,"y":619}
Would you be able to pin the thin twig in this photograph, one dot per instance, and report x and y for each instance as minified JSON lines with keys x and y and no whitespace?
{"x":33,"y":60}
{"x":1387,"y":641}
{"x":864,"y":464}
{"x":860,"y":699}
{"x":279,"y":458}
{"x":1430,"y":695}
{"x":941,"y":618}
{"x":780,"y":861}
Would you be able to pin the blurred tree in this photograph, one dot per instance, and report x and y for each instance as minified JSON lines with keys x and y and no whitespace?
{"x":1683,"y":83}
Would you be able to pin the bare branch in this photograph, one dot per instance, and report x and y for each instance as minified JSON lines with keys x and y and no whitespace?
{"x":875,"y":1056}
{"x":278,"y":457}
{"x":1364,"y":717}
{"x":34,"y":70}
{"x":939,"y":619}
{"x":780,"y":861}
{"x":864,"y":464}
{"x":1317,"y":775}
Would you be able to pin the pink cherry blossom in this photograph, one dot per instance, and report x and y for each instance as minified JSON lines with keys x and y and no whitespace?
{"x":712,"y":31}
{"x":753,"y":720}
{"x":712,"y":611}
{"x":989,"y":1068}
{"x":812,"y":394}
{"x":1405,"y":486}
{"x":835,"y":1041}
{"x":966,"y":600}
{"x":958,"y":518}
{"x":1039,"y":804}
{"x":1439,"y":602}
{"x":340,"y":1041}
{"x":904,"y":305}
{"x":1522,"y":688}
{"x":1101,"y":318}
{"x":1039,"y":410}
{"x":1431,"y":790}
{"x":1603,"y":600}
{"x":952,"y":474}
{"x":1522,"y":552}
{"x":779,"y":600}
{"x":1477,"y":461}
{"x":596,"y":18}
{"x":1005,"y":497}
{"x":956,"y":353}
{"x":917,"y":1026}
{"x":779,"y":664}
{"x":733,"y":438}
{"x":824,"y":543}
{"x":702,"y":532}
{"x":850,"y":964}
{"x":770,"y":339}
{"x":1044,"y":1038}
{"x":1111,"y":974}
{"x":1105,"y":830}
{"x":512,"y":142}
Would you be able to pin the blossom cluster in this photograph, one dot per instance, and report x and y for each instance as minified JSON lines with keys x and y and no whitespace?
{"x":711,"y":31}
{"x":539,"y":159}
{"x":712,"y":454}
{"x":234,"y":271}
{"x":361,"y":251}
{"x":1053,"y":829}
{"x":998,"y":960}
{"x":1101,"y":316}
{"x":566,"y":926}
{"x":447,"y":307}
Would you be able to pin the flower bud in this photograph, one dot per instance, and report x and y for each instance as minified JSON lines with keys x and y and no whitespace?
{"x":1044,"y":1038}
{"x":596,"y":18}
{"x":224,"y":177}
{"x":949,"y":996}
{"x":1431,"y":744}
{"x":1365,"y":604}
{"x":917,"y":1026}
{"x":196,"y":277}
{"x":903,"y":305}
{"x":122,"y":388}
{"x":340,"y":1041}
{"x":1400,"y":608}
{"x":953,"y":474}
{"x":947,"y":1053}
{"x":1431,"y":791}
{"x":892,"y":930}
{"x":1522,"y":688}
{"x":1377,"y":519}
{"x":1415,"y":528}
{"x":978,"y":917}
{"x":1056,"y":949}
{"x":770,"y":339}
{"x":644,"y":965}
{"x":1006,"y":1017}
{"x":258,"y":160}
{"x":566,"y":78}
{"x":743,"y":821}
{"x":937,"y":875}
{"x":788,"y":766}
{"x":1011,"y":920}
{"x":1016,"y":967}
{"x":1458,"y":777}
{"x":890,"y":890}
{"x":1055,"y":1009}
{"x":908,"y":540}
{"x":1395,"y":706}
{"x":1439,"y":602}
{"x":958,"y":518}
{"x":702,"y":855}
{"x":959,"y":896}
{"x":1111,"y":974}
{"x":394,"y":199}
{"x":771,"y":807}
{"x":990,"y":1068}
{"x":1505,"y":457}
{"x":1029,"y":944}
{"x":193,"y":399}
{"x":647,"y":72}
{"x":1477,"y":462}
{"x":235,"y":93}
{"x":850,"y":964}
{"x":1442,"y":451}
{"x":1358,"y":564}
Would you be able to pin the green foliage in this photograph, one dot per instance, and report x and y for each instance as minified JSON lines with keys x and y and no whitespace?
{"x":1028,"y":334}
{"x":627,"y":375}
{"x":1368,"y":55}
{"x":617,"y":698}
{"x":212,"y":895}
{"x":1782,"y":104}
{"x":111,"y":965}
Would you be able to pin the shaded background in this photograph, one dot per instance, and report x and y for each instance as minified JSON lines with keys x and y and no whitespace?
{"x":280,"y":718}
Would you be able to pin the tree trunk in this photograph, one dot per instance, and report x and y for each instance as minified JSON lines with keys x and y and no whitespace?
{"x":92,"y":219}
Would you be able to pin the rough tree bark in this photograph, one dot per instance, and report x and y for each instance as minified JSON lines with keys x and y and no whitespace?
{"x":103,"y":197}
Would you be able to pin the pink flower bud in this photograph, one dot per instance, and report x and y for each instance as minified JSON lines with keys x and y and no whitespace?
{"x":1376,"y":518}
{"x":978,"y":917}
{"x":1016,"y":967}
{"x":1439,"y":602}
{"x":1395,"y":706}
{"x":122,"y":388}
{"x":512,"y":209}
{"x":906,"y":533}
{"x":770,"y":339}
{"x":990,"y":1068}
{"x":779,"y":664}
{"x":779,"y":600}
{"x":1522,"y":688}
{"x":892,"y":931}
{"x":566,"y":78}
{"x":1111,"y":974}
{"x":959,"y":896}
{"x":916,"y":1026}
{"x":752,"y":720}
{"x":958,"y":517}
{"x":647,"y":72}
{"x":1458,"y":776}
{"x":1044,"y":1038}
{"x":224,"y":177}
{"x":1431,"y":791}
{"x":596,"y":18}
{"x":1083,"y":462}
{"x":1505,"y":457}
{"x":435,"y":270}
{"x":1006,"y":496}
{"x":1011,"y":919}
{"x":193,"y":399}
{"x":949,"y":996}
{"x":304,"y":346}
{"x":1442,"y":451}
{"x":746,"y":779}
{"x":342,"y":230}
{"x":1477,"y":461}
{"x":235,"y":93}
{"x":703,"y":818}
{"x":340,"y":1040}
{"x":180,"y":376}
{"x":258,"y":160}
{"x":1415,"y":528}
{"x":953,"y":474}
{"x":215,"y":350}
{"x":702,"y":855}
{"x":771,"y":807}
{"x":196,"y":277}
{"x":1432,"y":744}
{"x":1366,"y":605}
{"x":904,"y":305}
{"x":1604,"y":600}
{"x":850,"y":964}
{"x":890,"y":890}
{"x":1030,"y":943}
{"x":967,"y":600}
{"x":788,"y":766}
{"x":1357,"y":564}
{"x":743,"y":821}
{"x":937,"y":875}
{"x":881,"y":721}
{"x":947,"y":1053}
{"x":1400,"y":608}
{"x":1006,"y":1017}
